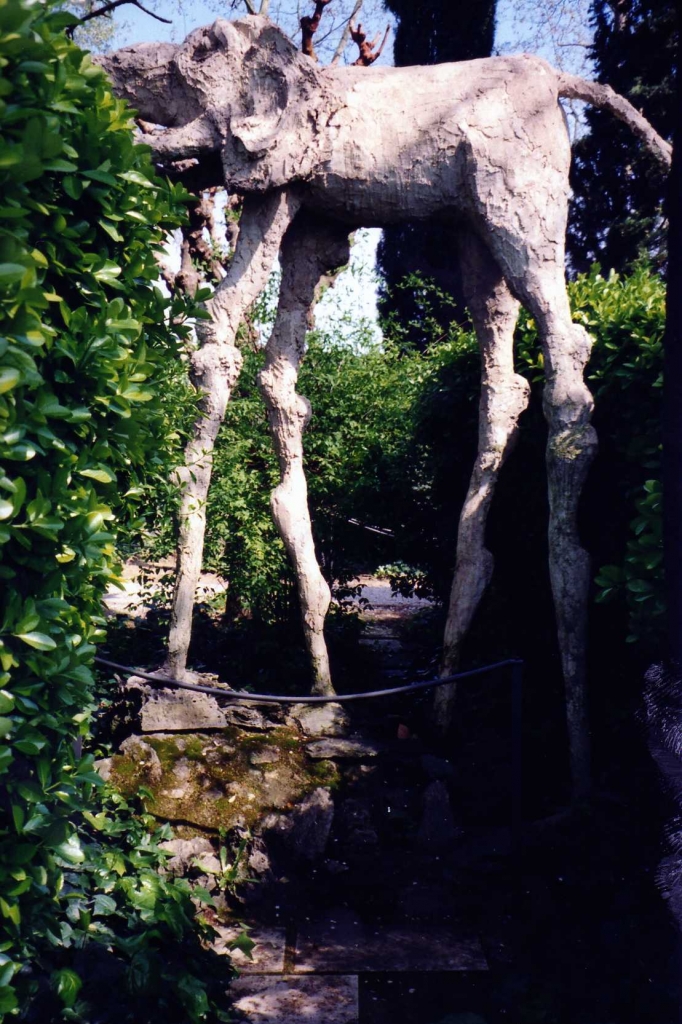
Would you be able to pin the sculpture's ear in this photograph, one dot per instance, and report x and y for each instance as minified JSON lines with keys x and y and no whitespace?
{"x":272,"y":85}
{"x":265,"y":99}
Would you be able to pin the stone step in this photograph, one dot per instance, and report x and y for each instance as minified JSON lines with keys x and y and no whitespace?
{"x":341,"y":943}
{"x":287,"y":999}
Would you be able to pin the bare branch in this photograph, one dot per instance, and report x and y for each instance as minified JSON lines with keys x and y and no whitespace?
{"x":200,"y":257}
{"x":264,"y":7}
{"x":111,"y":6}
{"x":309,"y":26}
{"x":343,"y":41}
{"x":250,"y":7}
{"x":368,"y":51}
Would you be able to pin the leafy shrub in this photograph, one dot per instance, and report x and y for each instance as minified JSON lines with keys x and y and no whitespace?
{"x":85,"y":355}
{"x":358,"y":451}
{"x":622,"y":506}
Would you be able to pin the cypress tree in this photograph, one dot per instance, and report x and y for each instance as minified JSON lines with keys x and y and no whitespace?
{"x":431,"y":32}
{"x":617,"y":213}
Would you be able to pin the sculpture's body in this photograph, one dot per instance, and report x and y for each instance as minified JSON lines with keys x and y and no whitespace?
{"x":411,"y":142}
{"x":318,"y":152}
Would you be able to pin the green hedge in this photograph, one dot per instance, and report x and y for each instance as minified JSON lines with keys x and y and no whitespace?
{"x":86,"y":353}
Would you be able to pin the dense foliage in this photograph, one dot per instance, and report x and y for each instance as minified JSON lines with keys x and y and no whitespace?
{"x":85,"y":353}
{"x":617,"y":213}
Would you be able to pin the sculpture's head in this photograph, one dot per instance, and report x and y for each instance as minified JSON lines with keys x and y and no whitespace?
{"x":260,"y":92}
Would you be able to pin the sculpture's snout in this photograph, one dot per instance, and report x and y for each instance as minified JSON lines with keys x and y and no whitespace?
{"x":146,"y":76}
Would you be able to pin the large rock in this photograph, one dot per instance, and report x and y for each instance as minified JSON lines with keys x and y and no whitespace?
{"x":357,"y":833}
{"x":304,"y":833}
{"x":247,"y":716}
{"x":312,"y":822}
{"x":341,"y":750}
{"x":164,"y":709}
{"x":321,"y":720}
{"x":180,"y":711}
{"x":186,"y":852}
{"x":213,"y":785}
{"x":340,"y":941}
{"x":146,"y":757}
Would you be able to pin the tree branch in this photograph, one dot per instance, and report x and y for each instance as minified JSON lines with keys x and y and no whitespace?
{"x":250,"y":7}
{"x":343,"y":41}
{"x":264,"y":7}
{"x":111,"y":6}
{"x":309,"y":26}
{"x":368,"y":51}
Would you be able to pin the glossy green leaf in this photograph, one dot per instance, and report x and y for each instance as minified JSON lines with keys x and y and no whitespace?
{"x":67,"y":985}
{"x":9,"y":378}
{"x":11,"y":273}
{"x":41,"y":641}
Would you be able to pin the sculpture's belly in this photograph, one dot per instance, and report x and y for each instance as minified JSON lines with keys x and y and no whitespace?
{"x":382,"y":181}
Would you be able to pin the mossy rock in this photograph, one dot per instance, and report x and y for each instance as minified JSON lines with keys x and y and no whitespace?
{"x":211,"y":782}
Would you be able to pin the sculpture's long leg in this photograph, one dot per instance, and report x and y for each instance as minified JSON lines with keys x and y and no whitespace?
{"x":571,"y":447}
{"x":533,"y":263}
{"x":215,"y":366}
{"x":504,"y":396}
{"x":309,"y":253}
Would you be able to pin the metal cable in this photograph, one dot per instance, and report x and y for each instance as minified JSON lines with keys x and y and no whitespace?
{"x":341,"y":698}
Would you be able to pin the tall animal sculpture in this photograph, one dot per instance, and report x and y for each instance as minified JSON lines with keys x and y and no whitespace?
{"x":318,"y":152}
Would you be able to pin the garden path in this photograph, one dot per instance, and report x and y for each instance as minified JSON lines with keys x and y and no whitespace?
{"x":383,"y":930}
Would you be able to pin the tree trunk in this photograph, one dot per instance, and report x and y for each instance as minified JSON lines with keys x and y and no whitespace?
{"x":215,"y":366}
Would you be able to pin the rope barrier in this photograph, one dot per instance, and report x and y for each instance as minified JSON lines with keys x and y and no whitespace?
{"x":271,"y":698}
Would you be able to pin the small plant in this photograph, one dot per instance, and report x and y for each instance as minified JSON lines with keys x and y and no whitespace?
{"x":229,"y":876}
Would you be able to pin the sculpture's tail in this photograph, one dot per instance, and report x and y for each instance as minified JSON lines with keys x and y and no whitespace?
{"x":572,"y":87}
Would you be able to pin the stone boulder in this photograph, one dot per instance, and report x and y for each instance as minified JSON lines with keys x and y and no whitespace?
{"x":303,"y":834}
{"x":316,"y":720}
{"x":165,"y":710}
{"x":186,"y":852}
{"x":357,"y":834}
{"x":135,"y":748}
{"x":219,"y":781}
{"x":103,"y":767}
{"x":342,"y":750}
